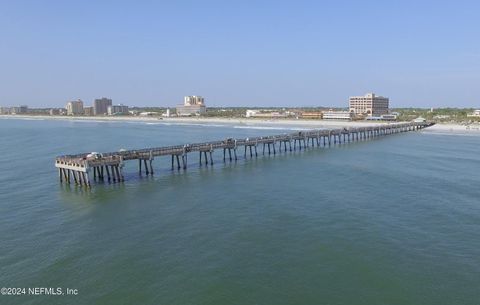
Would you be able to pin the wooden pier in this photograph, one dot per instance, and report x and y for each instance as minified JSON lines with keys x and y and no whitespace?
{"x":82,"y":168}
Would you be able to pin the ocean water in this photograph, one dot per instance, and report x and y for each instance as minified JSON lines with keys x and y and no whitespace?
{"x":394,"y":220}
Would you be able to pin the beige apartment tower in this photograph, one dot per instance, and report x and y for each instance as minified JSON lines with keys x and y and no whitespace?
{"x":75,"y":107}
{"x":369,"y":105}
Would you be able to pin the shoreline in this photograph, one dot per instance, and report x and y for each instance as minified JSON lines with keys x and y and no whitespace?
{"x":281,"y":123}
{"x":200,"y":120}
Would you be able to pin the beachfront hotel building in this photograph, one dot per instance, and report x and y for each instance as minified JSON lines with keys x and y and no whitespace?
{"x":100,"y":106}
{"x":192,"y":105}
{"x":369,"y":105}
{"x":75,"y":107}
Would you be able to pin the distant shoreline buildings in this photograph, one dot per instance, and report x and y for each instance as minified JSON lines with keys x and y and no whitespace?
{"x":101,"y":107}
{"x":369,"y":107}
{"x":14,"y":110}
{"x":192,"y":105}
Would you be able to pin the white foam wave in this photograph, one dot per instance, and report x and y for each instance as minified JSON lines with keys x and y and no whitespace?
{"x":463,"y":133}
{"x":270,"y":128}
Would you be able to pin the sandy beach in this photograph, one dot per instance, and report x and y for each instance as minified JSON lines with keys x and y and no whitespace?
{"x":281,"y":123}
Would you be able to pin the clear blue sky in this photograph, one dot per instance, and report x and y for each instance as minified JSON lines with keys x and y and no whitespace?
{"x":242,"y":53}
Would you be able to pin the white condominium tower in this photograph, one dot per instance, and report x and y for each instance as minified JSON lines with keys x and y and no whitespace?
{"x":193,"y":100}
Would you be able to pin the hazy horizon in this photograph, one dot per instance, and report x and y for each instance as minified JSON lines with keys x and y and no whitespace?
{"x":263,"y":54}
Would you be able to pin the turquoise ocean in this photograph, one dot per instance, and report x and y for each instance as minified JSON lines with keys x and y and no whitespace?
{"x":395,"y":220}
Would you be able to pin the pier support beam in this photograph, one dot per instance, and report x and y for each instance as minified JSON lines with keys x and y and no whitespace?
{"x":204,"y":152}
{"x":66,"y":175}
{"x":146,"y":167}
{"x":87,"y":179}
{"x":250,"y":147}
{"x":184,"y":161}
{"x":229,"y":149}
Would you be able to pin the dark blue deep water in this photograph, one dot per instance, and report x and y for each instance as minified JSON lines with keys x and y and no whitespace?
{"x":394,"y":220}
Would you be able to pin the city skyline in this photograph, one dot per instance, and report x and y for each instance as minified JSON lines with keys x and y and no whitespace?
{"x":286,"y":55}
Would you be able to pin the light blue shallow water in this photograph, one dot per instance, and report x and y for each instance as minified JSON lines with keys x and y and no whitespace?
{"x":390,"y":221}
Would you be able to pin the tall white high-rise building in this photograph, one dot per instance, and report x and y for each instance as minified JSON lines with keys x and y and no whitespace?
{"x":193,"y":100}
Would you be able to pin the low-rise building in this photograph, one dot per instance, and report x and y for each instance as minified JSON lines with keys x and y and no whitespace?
{"x":250,"y":113}
{"x":312,"y":115}
{"x":443,"y":117}
{"x":148,"y":113}
{"x":272,"y":114}
{"x":117,"y":110}
{"x":265,"y":114}
{"x":420,"y":120}
{"x":338,"y":115}
{"x":389,"y":117}
{"x":88,"y":111}
{"x":475,"y":113}
{"x":383,"y":117}
{"x":167,"y":113}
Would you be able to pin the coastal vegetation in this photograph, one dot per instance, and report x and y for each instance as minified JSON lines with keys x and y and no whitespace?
{"x":440,"y":115}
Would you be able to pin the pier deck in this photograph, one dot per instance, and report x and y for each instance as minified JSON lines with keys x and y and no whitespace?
{"x":109,"y":166}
